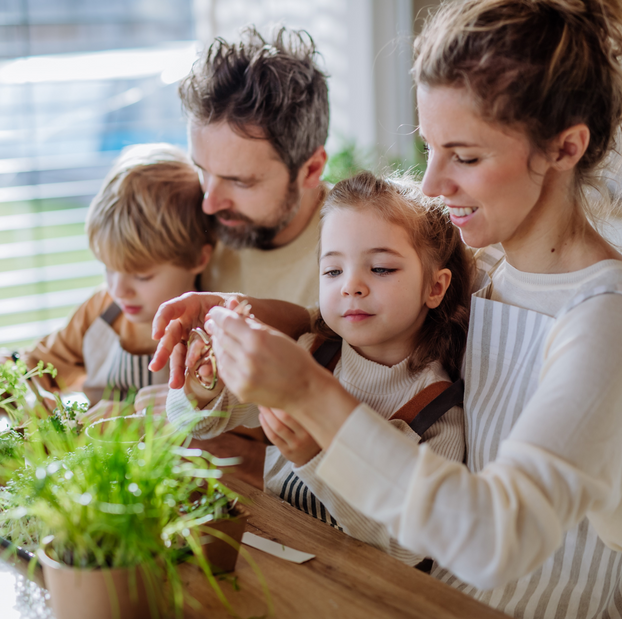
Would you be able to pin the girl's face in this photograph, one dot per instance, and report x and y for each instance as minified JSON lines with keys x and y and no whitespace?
{"x":371,"y":284}
{"x":488,"y":176}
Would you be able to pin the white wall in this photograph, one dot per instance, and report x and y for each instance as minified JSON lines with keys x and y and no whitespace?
{"x":366,"y":50}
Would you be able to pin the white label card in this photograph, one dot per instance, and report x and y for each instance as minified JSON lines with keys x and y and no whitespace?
{"x":276,"y":549}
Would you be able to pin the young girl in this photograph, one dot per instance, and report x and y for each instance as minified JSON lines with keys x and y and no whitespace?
{"x":394,"y":285}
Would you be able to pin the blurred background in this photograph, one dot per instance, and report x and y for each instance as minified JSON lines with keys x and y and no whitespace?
{"x":81,"y":79}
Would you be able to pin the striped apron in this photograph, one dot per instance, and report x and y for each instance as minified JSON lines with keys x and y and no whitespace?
{"x":113,"y":373}
{"x":582,"y":579}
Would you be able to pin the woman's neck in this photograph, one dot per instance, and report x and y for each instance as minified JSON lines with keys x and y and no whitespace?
{"x":557,"y":237}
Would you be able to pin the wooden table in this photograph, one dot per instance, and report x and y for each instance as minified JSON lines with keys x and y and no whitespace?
{"x":348,"y":579}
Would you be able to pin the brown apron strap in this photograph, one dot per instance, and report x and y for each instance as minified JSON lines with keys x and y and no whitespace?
{"x":326,"y":352}
{"x":110,"y":314}
{"x":452,"y":396}
{"x":413,"y":407}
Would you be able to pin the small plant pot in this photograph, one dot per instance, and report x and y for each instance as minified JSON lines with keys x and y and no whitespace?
{"x":100,"y":593}
{"x":221,"y":555}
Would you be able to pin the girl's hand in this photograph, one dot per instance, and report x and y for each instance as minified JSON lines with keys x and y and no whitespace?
{"x":172,"y":325}
{"x":291,"y":439}
{"x":153,"y":396}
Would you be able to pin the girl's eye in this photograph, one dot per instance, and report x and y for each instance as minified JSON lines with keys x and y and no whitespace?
{"x":332,"y":272}
{"x":382,"y":270}
{"x":143,"y":278}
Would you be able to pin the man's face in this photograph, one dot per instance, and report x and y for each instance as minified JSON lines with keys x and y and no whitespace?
{"x":246,"y":185}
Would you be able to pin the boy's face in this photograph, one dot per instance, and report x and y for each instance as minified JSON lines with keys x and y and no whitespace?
{"x":140,"y":294}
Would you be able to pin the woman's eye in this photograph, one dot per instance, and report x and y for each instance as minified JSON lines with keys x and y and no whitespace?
{"x":332,"y":272}
{"x":382,"y":270}
{"x":467,"y":161}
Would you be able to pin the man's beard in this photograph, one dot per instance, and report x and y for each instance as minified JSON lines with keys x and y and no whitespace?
{"x":250,"y":234}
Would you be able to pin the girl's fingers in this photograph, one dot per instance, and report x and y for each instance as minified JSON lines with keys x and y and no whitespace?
{"x":177,"y":367}
{"x":288,"y":421}
{"x":172,"y":336}
{"x":195,"y":351}
{"x":272,"y":437}
{"x":279,"y":429}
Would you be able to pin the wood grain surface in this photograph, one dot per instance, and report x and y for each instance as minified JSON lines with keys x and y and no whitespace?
{"x":347,"y":579}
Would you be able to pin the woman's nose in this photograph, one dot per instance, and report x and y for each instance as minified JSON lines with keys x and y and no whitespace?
{"x":436,"y":182}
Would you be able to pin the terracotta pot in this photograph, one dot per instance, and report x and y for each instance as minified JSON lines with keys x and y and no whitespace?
{"x":221,"y":555}
{"x":100,"y":593}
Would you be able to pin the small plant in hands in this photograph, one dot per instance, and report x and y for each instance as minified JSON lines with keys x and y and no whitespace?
{"x":15,"y":392}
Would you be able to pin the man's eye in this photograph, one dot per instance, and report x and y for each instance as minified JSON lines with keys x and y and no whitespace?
{"x":332,"y":272}
{"x":382,"y":270}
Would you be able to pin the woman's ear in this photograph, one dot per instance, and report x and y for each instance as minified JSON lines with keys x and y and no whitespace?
{"x":205,"y":257}
{"x":440,"y":282}
{"x":569,"y":146}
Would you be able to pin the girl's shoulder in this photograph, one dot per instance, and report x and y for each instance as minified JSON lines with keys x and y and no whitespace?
{"x":306,"y":340}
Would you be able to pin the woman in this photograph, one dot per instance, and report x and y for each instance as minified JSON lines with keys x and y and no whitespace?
{"x":519,"y":101}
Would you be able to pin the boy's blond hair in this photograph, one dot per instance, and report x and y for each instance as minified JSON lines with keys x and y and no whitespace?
{"x":148,"y":211}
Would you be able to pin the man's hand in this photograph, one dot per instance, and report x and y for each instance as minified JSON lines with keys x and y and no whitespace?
{"x":291,"y":439}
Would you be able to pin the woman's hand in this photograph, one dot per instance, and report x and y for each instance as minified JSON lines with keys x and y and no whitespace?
{"x":291,"y":439}
{"x":262,"y":365}
{"x":176,"y":318}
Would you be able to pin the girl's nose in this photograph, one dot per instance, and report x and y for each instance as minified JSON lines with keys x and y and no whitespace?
{"x":354,"y":287}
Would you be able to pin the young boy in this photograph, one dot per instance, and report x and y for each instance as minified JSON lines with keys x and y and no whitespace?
{"x":147,"y":227}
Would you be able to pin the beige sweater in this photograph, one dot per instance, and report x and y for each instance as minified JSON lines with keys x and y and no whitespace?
{"x":288,"y":273}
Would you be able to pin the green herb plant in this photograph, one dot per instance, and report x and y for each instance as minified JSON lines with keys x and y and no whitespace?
{"x":125,"y":492}
{"x":15,"y":390}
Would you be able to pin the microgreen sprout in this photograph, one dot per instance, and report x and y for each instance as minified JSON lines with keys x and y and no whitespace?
{"x":14,"y":386}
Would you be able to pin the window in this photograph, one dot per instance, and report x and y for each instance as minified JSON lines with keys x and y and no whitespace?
{"x":78,"y":82}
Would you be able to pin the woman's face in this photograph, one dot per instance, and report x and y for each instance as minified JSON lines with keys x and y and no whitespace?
{"x":489,"y":176}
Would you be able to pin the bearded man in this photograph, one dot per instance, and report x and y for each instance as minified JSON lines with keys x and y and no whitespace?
{"x":258,"y":122}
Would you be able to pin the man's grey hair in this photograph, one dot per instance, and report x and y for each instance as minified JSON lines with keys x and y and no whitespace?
{"x":267,"y":90}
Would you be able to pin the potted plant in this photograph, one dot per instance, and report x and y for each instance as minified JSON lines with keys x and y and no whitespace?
{"x":107,"y":509}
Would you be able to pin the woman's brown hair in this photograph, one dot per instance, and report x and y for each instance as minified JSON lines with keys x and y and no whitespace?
{"x":539,"y":65}
{"x":399,"y":200}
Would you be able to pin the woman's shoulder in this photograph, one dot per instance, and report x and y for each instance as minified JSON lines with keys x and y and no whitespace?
{"x":602,"y":278}
{"x":485,"y":260}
